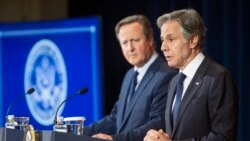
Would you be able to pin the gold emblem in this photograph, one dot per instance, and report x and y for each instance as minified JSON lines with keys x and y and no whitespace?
{"x":29,"y":134}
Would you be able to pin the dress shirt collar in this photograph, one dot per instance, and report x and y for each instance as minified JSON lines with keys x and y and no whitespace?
{"x":193,"y":66}
{"x":142,"y":70}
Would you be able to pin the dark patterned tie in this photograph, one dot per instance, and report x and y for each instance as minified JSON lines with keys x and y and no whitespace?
{"x":132,"y":86}
{"x":131,"y":91}
{"x":179,"y":91}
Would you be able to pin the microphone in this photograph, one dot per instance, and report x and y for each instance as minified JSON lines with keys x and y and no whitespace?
{"x":80,"y":92}
{"x":29,"y":92}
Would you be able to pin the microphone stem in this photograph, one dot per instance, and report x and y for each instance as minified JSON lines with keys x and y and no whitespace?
{"x":14,"y":102}
{"x":55,"y":119}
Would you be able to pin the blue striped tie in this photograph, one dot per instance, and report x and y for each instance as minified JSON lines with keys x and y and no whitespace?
{"x":179,"y":91}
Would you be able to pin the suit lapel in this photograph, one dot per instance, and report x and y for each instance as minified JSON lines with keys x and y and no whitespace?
{"x":124,"y":95}
{"x":137,"y":95}
{"x":139,"y":92}
{"x":168,"y":112}
{"x":194,"y":85}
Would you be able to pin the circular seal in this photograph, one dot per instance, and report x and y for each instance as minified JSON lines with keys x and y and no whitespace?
{"x":45,"y":71}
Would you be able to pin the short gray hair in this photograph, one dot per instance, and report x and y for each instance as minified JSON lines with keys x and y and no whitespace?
{"x":191,"y":24}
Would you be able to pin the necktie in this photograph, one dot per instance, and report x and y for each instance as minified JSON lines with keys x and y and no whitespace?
{"x":179,"y":91}
{"x":132,"y":86}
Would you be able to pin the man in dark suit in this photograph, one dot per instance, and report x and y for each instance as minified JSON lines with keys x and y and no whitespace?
{"x":202,"y":106}
{"x":142,"y":107}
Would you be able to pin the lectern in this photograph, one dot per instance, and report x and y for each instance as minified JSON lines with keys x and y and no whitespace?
{"x":11,"y":135}
{"x":17,"y":135}
{"x":57,"y":136}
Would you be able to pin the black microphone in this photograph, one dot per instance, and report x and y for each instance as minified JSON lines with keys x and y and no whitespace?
{"x":80,"y":92}
{"x":29,"y":92}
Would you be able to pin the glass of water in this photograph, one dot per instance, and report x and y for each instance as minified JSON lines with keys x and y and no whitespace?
{"x":75,"y":125}
{"x":20,"y":123}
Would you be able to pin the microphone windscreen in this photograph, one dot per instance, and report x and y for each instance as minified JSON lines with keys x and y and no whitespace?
{"x":30,"y":91}
{"x":82,"y":91}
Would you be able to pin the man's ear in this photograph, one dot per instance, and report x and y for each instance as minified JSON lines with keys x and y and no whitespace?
{"x":193,"y":42}
{"x":151,"y":42}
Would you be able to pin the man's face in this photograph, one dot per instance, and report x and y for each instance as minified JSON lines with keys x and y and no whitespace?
{"x":175,"y":47}
{"x":135,"y":46}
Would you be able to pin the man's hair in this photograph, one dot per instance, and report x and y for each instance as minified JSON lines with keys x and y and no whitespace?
{"x":141,"y":19}
{"x":191,"y":24}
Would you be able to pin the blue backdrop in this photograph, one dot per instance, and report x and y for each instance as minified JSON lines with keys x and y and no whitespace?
{"x":57,"y":58}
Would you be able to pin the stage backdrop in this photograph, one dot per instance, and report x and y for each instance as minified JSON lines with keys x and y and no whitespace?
{"x":57,"y":59}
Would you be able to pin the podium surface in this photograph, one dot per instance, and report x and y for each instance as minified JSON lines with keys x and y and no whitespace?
{"x":43,"y":135}
{"x":57,"y":136}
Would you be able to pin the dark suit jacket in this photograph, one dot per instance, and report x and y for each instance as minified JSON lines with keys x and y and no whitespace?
{"x":146,"y":110}
{"x":208,"y":111}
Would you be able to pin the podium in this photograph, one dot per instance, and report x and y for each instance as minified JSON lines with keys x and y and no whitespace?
{"x":43,"y":135}
{"x":11,"y":135}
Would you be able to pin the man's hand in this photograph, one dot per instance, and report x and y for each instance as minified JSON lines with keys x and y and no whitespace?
{"x":153,"y":135}
{"x":103,"y":136}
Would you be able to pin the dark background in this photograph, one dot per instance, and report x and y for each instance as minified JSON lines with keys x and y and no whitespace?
{"x":227,"y":36}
